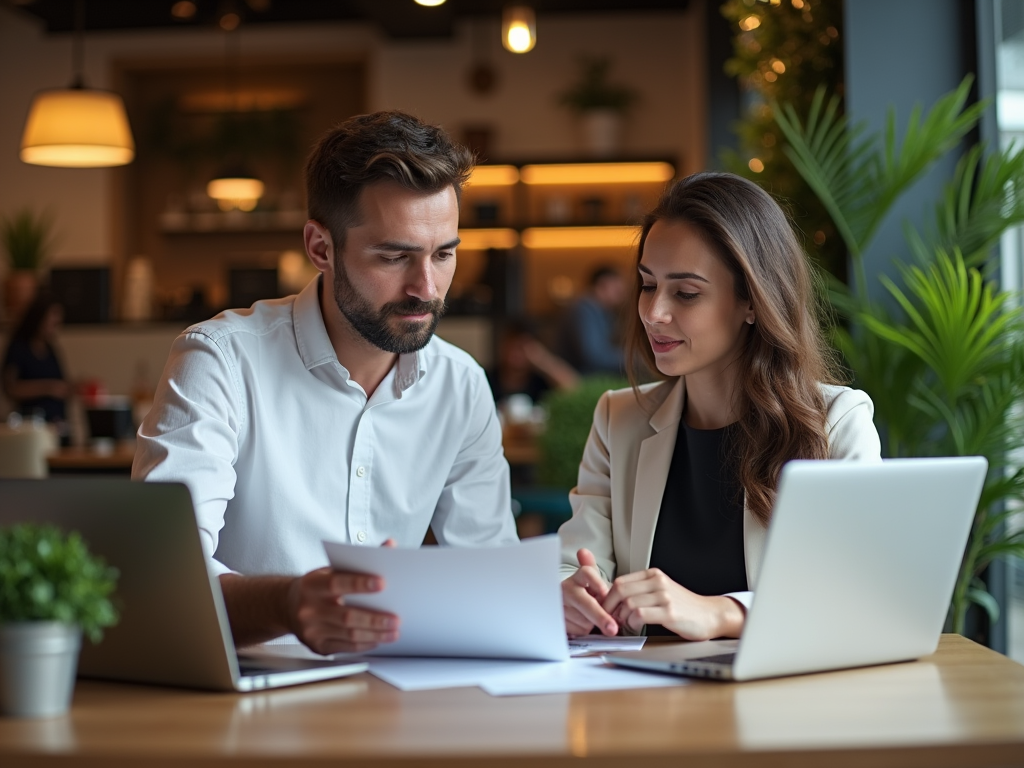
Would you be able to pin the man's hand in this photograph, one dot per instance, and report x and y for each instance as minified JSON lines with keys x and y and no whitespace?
{"x":312,"y":607}
{"x":320,"y":618}
{"x":582,"y":595}
{"x":651,"y":597}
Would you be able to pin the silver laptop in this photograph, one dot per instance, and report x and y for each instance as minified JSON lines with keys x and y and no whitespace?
{"x":174,"y":628}
{"x":859,"y":568}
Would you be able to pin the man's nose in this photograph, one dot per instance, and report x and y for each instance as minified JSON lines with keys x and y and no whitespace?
{"x":422,"y":282}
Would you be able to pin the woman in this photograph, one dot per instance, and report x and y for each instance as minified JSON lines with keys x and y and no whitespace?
{"x":33,"y":378}
{"x":678,"y":477}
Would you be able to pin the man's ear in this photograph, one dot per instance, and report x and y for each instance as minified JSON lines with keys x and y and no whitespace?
{"x":319,"y":245}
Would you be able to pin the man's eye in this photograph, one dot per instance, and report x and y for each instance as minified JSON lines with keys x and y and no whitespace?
{"x":445,"y":255}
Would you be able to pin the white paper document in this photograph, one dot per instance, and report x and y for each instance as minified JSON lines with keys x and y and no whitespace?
{"x":408,"y":674}
{"x":496,"y":602}
{"x":588,"y":673}
{"x":598,"y":644}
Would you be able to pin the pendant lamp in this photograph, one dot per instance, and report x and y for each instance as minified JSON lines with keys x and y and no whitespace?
{"x":519,"y":28}
{"x":77,"y":127}
{"x":235,"y":186}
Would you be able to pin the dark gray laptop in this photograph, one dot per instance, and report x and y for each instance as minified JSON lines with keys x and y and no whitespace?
{"x":174,"y":628}
{"x":858,"y":569}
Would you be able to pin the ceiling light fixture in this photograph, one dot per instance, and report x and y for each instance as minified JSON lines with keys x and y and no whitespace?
{"x":77,"y":127}
{"x":519,"y":28}
{"x":235,"y":186}
{"x":430,"y":3}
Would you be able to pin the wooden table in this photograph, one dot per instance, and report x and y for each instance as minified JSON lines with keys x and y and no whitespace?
{"x":964,"y":706}
{"x":85,"y":460}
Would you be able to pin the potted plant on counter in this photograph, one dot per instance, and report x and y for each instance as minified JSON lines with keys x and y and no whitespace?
{"x":52,"y":590}
{"x":26,"y":238}
{"x":601,"y":105}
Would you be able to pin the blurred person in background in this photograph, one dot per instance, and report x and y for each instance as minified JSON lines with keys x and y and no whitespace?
{"x":524,"y":366}
{"x":33,"y":377}
{"x":589,"y":338}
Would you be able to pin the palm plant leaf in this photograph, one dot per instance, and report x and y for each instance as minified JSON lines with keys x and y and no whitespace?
{"x":981,"y":202}
{"x":957,"y":325}
{"x":858,"y":180}
{"x":979,"y":595}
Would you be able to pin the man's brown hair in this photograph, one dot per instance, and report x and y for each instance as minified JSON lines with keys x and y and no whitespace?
{"x":383,"y":146}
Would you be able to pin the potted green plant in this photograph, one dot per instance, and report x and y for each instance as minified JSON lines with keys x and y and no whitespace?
{"x":944,"y":362}
{"x":26,"y":238}
{"x":52,"y":590}
{"x":601,"y":106}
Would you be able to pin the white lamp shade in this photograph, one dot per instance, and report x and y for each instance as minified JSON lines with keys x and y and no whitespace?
{"x":77,"y":128}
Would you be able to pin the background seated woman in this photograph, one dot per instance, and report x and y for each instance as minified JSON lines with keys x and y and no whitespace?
{"x":678,"y":478}
{"x":32,"y":374}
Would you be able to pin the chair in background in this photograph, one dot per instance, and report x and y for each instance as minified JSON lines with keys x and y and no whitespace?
{"x":23,"y":449}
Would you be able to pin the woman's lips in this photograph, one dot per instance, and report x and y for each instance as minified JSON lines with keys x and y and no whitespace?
{"x":661,"y":344}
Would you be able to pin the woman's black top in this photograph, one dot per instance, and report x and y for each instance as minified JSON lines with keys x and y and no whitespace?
{"x":28,"y":367}
{"x":698,"y":542}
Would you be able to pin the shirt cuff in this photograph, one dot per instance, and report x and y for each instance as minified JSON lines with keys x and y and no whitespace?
{"x":217,"y":568}
{"x":746,"y":599}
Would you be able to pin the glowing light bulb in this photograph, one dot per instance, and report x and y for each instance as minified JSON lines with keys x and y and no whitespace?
{"x":519,"y":29}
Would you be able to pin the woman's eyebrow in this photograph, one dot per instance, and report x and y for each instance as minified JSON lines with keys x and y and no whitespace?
{"x":676,"y":275}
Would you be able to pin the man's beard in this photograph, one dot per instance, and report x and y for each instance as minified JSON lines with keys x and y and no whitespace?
{"x":372,"y":324}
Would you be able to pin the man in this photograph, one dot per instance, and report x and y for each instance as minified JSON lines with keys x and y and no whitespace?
{"x":335,"y":414}
{"x":588,"y":339}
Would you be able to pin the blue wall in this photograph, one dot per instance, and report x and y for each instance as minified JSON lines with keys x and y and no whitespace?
{"x":903,"y":53}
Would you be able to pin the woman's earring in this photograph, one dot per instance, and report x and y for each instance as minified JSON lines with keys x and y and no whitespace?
{"x":750,"y":321}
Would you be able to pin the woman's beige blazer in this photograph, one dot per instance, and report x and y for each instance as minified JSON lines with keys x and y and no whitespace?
{"x":625,"y":465}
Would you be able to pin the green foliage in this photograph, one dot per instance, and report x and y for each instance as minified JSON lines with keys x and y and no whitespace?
{"x":803,"y":40}
{"x":945,"y":366}
{"x":47,"y":576}
{"x":594,"y":91}
{"x":858,"y":178}
{"x":26,"y":238}
{"x":570,"y":416}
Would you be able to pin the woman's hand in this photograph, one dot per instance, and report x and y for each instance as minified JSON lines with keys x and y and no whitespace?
{"x":582,"y":595}
{"x":651,"y":597}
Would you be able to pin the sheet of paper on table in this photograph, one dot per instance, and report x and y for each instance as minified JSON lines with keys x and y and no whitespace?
{"x":495,"y":602}
{"x":501,"y":677}
{"x":588,"y":673}
{"x":598,"y":644}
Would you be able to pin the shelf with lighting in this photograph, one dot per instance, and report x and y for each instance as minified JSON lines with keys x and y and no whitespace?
{"x":563,"y":219}
{"x":562,"y":194}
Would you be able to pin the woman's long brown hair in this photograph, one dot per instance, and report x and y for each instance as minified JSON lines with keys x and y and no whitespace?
{"x":785,"y":357}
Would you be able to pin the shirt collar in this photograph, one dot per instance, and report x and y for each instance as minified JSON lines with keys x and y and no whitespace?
{"x":315,"y":346}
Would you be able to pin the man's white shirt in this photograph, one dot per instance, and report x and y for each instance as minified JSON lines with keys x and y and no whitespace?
{"x":280,"y":449}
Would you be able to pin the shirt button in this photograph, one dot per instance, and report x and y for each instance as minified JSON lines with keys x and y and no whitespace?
{"x":360,"y":471}
{"x":361,"y":536}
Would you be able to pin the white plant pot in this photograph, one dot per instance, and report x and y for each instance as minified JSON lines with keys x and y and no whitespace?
{"x":602,"y":132}
{"x":38,"y":660}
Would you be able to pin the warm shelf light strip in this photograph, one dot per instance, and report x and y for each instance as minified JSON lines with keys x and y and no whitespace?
{"x":597,"y":173}
{"x":494,"y":176}
{"x":482,"y":239}
{"x":580,"y":237}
